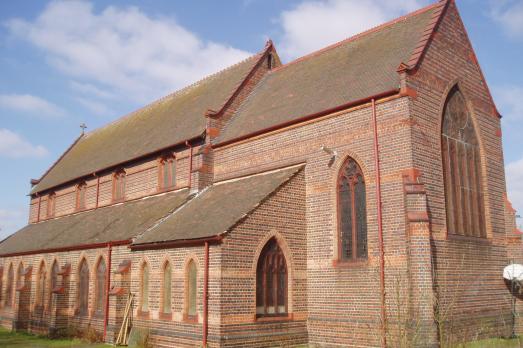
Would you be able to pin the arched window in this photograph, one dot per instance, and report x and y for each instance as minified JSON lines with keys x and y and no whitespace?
{"x":167,"y":173}
{"x":144,"y":298}
{"x":40,"y":285}
{"x":271,"y":281}
{"x":20,"y":276}
{"x":83,"y":287}
{"x":54,"y":279}
{"x":80,"y":196}
{"x":352,"y":212}
{"x":9,"y":287}
{"x":119,"y":186}
{"x":51,"y":204}
{"x":462,"y":169}
{"x":101,"y":286}
{"x":166,"y":289}
{"x":191,"y":290}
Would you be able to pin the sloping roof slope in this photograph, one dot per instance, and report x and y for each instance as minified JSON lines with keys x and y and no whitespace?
{"x":218,"y":208}
{"x":114,"y":223}
{"x":166,"y":122}
{"x":356,"y":68}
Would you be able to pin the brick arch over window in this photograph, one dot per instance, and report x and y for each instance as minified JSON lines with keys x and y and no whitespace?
{"x":461,"y":158}
{"x":352,"y":212}
{"x":271,"y":281}
{"x":83,"y":287}
{"x":100,"y":286}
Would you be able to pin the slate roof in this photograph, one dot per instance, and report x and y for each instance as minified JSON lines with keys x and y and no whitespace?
{"x":218,"y":208}
{"x":113,"y":223}
{"x":166,"y":122}
{"x":357,"y":68}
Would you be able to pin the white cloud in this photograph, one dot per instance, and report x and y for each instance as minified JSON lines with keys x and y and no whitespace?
{"x":514,"y":173}
{"x":13,"y":145}
{"x":11,"y":220}
{"x":30,"y":104}
{"x":122,"y":49}
{"x":98,"y":108}
{"x":509,"y":14}
{"x":87,"y":88}
{"x":315,"y":24}
{"x":510,"y":100}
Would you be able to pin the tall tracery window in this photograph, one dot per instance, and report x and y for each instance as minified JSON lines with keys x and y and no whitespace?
{"x":166,"y":290}
{"x":352,"y":212}
{"x":462,"y":169}
{"x":9,"y":287}
{"x":51,"y":204}
{"x":54,"y":279}
{"x":101,"y":286}
{"x":80,"y":196}
{"x":145,"y":288}
{"x":119,"y":186}
{"x":167,"y":172}
{"x":83,"y":288}
{"x":41,"y":285}
{"x":271,"y":281}
{"x":191,"y":290}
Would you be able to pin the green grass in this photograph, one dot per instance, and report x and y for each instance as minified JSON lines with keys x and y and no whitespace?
{"x":493,"y":343}
{"x":10,"y":339}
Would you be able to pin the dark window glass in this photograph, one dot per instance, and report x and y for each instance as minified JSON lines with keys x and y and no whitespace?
{"x":145,"y":288}
{"x":80,"y":196}
{"x":271,"y":281}
{"x":462,"y":170}
{"x":101,"y":286}
{"x":83,"y":288}
{"x":191,"y":288}
{"x":352,"y":210}
{"x":9,"y":287}
{"x":166,"y":301}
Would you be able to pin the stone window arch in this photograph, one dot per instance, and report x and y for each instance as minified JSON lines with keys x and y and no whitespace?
{"x":352,"y":212}
{"x":101,"y":286}
{"x":271,"y":281}
{"x":83,"y":287}
{"x":464,"y":199}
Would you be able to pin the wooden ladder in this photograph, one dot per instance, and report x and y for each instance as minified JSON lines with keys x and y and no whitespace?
{"x":123,"y":335}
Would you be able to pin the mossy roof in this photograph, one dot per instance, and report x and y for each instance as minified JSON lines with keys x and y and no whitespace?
{"x":164,"y":123}
{"x":218,"y":208}
{"x":106,"y":224}
{"x":354,"y":69}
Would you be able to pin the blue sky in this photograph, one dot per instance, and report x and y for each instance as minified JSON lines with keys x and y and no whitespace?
{"x":63,"y":63}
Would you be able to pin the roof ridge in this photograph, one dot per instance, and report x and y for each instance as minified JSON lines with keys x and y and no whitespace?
{"x":419,"y":51}
{"x":359,"y":35}
{"x":238,"y":86}
{"x":170,"y":95}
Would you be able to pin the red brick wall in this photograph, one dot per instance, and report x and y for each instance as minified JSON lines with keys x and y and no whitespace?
{"x":468,"y":272}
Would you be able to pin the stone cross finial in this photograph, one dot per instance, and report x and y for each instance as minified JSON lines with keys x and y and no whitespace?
{"x":83,"y":126}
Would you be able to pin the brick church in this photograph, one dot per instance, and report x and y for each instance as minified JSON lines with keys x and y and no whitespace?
{"x":353,"y":197}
